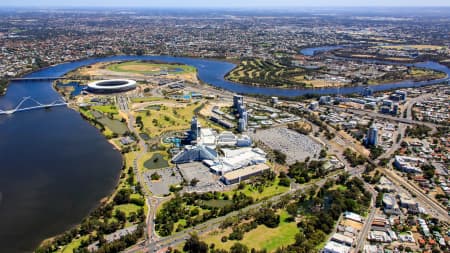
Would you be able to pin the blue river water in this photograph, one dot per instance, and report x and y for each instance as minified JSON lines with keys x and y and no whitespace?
{"x":55,"y":167}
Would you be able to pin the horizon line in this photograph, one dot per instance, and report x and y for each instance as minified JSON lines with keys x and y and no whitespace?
{"x":224,"y":7}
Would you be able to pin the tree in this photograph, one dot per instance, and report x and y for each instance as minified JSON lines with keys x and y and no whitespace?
{"x":194,"y":182}
{"x":268,"y":217}
{"x":428,"y":171}
{"x":375,"y":152}
{"x":120,"y":216}
{"x":194,"y":245}
{"x":323,"y":153}
{"x":155,"y":176}
{"x":280,"y":157}
{"x":284,"y":181}
{"x":238,"y":248}
{"x":292,"y":209}
{"x":122,"y":196}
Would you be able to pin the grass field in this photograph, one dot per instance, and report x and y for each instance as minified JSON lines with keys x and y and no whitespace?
{"x":146,"y":99}
{"x":114,"y":125}
{"x":267,"y":73}
{"x":106,"y":109}
{"x":168,"y":119}
{"x":127,"y":208}
{"x":219,"y":203}
{"x":147,"y":158}
{"x":69,"y":248}
{"x":416,"y":74}
{"x":260,"y":238}
{"x":111,"y":125}
{"x":150,"y":68}
{"x":157,"y":161}
{"x":268,"y":192}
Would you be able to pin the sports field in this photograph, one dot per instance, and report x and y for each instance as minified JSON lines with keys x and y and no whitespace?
{"x":150,"y":68}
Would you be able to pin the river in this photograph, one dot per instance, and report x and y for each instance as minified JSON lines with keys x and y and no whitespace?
{"x":55,"y":167}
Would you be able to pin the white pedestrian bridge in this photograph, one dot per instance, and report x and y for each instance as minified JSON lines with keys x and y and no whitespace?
{"x":38,"y":105}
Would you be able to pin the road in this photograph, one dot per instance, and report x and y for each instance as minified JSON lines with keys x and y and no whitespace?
{"x":430,"y":203}
{"x":180,"y":237}
{"x":361,"y":241}
{"x":154,"y":243}
{"x":388,"y":117}
{"x":410,"y":103}
{"x":396,"y":144}
{"x":434,"y":207}
{"x":152,"y":202}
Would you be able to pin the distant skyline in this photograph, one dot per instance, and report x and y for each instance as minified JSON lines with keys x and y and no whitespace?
{"x":223,"y":3}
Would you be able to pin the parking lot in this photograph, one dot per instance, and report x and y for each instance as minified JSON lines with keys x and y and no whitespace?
{"x":207,"y":180}
{"x":169,"y":176}
{"x":296,"y":146}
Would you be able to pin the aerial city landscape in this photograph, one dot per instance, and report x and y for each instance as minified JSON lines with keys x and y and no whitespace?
{"x":224,"y":127}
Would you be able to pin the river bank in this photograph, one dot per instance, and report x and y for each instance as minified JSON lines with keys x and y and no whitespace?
{"x":62,"y":178}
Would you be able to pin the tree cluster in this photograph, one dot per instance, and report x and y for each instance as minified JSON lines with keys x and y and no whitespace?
{"x":180,"y":207}
{"x":303,"y":172}
{"x":354,"y":158}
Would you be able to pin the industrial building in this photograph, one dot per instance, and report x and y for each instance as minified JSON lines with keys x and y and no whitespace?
{"x":245,"y":173}
{"x":234,"y":159}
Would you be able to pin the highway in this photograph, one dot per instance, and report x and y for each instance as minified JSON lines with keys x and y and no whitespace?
{"x":388,"y":117}
{"x":410,"y":103}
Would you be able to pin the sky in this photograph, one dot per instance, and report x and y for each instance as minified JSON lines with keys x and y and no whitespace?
{"x":223,"y":3}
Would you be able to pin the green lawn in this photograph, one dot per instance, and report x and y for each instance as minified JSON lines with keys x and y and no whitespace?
{"x":260,"y":238}
{"x":157,"y":161}
{"x":218,"y":203}
{"x":127,"y":208}
{"x":146,"y":99}
{"x":150,"y":68}
{"x":69,"y":248}
{"x":268,"y":192}
{"x":169,"y":119}
{"x":339,"y":187}
{"x":115,"y":126}
{"x":106,"y":109}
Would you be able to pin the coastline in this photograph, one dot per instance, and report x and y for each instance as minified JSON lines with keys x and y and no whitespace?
{"x":108,"y":198}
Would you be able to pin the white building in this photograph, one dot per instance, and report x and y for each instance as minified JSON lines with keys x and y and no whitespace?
{"x":207,"y":138}
{"x":334,"y":247}
{"x":409,"y":164}
{"x":390,"y":204}
{"x":353,"y":217}
{"x":234,"y":159}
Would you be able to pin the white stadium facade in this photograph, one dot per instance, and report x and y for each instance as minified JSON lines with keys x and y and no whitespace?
{"x":111,"y":86}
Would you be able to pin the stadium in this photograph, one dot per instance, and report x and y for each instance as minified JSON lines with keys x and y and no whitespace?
{"x":111,"y":86}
